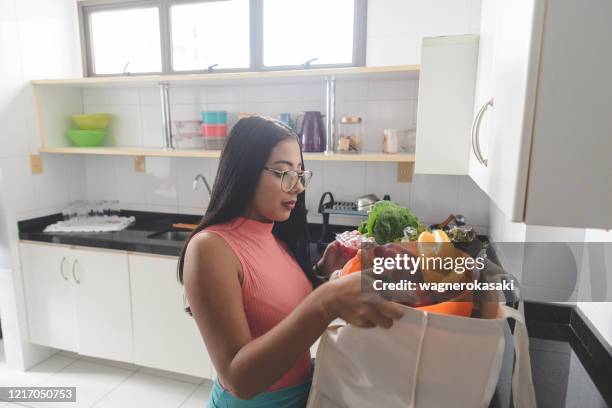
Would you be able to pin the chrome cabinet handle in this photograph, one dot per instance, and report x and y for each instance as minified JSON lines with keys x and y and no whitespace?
{"x":62,"y":268}
{"x":476,"y":133}
{"x":74,"y":272}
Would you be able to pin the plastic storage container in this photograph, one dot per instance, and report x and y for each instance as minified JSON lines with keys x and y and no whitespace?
{"x":214,"y":130}
{"x":214,"y":117}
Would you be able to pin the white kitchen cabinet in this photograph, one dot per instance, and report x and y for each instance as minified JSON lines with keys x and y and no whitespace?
{"x":102,"y":304}
{"x":48,"y":293}
{"x":165,"y":336}
{"x":78,"y":300}
{"x":446,"y":97}
{"x":540,"y":149}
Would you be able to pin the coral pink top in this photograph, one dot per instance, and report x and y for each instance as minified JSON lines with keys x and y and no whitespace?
{"x":273,"y":283}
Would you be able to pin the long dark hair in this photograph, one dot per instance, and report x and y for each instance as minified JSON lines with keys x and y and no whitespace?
{"x":245,"y":154}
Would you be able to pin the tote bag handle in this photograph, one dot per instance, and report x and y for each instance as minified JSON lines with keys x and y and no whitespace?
{"x":523,"y":393}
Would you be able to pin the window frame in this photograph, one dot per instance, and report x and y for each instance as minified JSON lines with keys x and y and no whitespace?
{"x":86,"y":7}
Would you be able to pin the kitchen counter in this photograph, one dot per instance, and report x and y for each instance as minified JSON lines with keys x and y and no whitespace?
{"x":135,"y":238}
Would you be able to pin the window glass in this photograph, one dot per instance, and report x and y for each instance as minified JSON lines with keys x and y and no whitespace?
{"x":209,"y":33}
{"x":126,"y":40}
{"x":296,"y":31}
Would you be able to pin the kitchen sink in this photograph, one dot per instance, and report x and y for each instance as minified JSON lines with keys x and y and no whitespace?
{"x":172,"y":235}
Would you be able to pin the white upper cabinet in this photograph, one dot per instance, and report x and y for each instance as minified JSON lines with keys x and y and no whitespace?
{"x":542,"y":112}
{"x":507,"y":79}
{"x":446,"y":97}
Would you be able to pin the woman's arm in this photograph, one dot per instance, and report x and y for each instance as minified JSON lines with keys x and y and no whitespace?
{"x":248,"y":366}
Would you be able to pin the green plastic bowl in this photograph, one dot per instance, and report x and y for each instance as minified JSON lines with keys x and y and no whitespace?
{"x":87,"y":138}
{"x":96,"y":121}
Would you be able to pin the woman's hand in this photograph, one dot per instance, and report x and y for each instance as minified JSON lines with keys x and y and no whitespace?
{"x":345,"y":299}
{"x":333,"y":259}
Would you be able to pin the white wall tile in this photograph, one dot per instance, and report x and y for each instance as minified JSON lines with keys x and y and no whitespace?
{"x":381,"y":179}
{"x":188,"y":95}
{"x":224,"y":94}
{"x":346,"y":180}
{"x":392,"y":90}
{"x":149,"y":96}
{"x":51,"y":185}
{"x":473,"y":203}
{"x":351,"y":90}
{"x":161,"y":181}
{"x":17,"y":185}
{"x":151,"y":125}
{"x":187,"y":169}
{"x":131,"y":185}
{"x":315,"y":188}
{"x":434,"y":197}
{"x":13,"y":135}
{"x":101,"y":178}
{"x":112,"y":96}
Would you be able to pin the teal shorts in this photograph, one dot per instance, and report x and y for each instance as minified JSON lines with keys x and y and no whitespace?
{"x":292,"y":397}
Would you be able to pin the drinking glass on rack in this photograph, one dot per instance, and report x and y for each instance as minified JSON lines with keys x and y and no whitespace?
{"x":98,"y":208}
{"x":114,"y":208}
{"x":82,"y":211}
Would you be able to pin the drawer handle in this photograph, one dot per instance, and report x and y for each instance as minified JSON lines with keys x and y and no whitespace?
{"x":62,"y":268}
{"x":74,"y":271}
{"x":476,"y":133}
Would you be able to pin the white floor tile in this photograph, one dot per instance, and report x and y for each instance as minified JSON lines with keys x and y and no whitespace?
{"x":199,"y":397}
{"x":144,"y":390}
{"x":92,"y":381}
{"x":172,"y":376}
{"x":37,"y":374}
{"x":118,"y":364}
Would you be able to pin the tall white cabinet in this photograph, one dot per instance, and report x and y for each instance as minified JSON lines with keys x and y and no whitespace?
{"x":541,"y":140}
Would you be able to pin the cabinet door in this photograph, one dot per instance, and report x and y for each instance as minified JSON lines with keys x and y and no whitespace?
{"x":165,"y":336}
{"x":517,"y":49}
{"x":511,"y":43}
{"x":484,"y":90}
{"x":48,"y":295}
{"x":102,"y":302}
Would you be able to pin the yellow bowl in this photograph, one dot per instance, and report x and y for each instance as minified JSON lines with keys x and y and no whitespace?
{"x":97,"y":121}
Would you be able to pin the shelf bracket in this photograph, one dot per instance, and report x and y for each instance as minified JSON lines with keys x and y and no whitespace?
{"x":405,"y":171}
{"x":36,"y":166}
{"x":139,"y":164}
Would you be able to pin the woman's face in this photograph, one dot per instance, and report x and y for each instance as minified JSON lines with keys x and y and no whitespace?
{"x":271,"y":203}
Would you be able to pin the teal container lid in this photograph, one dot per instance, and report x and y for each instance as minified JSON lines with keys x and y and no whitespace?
{"x":214,"y":117}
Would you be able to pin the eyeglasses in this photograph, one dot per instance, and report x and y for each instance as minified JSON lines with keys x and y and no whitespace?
{"x":289,"y":178}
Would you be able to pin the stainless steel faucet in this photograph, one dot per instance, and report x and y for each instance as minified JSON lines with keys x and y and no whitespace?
{"x":201,"y":177}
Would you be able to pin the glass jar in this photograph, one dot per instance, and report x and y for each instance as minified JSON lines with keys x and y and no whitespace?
{"x":349,"y":135}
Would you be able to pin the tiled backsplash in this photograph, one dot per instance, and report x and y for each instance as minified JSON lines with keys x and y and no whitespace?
{"x":166,"y":186}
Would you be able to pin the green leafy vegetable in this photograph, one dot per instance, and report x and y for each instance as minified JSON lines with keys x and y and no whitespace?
{"x":363,"y":227}
{"x":387,"y":220}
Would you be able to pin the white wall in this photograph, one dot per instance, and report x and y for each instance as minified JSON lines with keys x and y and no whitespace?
{"x":38,"y":39}
{"x":397,"y":27}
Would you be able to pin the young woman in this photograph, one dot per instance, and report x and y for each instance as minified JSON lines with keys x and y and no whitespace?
{"x":257,"y":300}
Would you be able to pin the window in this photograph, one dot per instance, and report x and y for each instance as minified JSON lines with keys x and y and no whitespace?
{"x":118,"y":47}
{"x":297,"y":31}
{"x":178,"y":36}
{"x":210,"y":34}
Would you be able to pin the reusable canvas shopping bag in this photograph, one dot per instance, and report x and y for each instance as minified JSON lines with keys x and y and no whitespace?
{"x":426,"y":360}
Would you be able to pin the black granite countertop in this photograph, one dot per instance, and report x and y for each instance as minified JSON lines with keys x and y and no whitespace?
{"x":137,"y":237}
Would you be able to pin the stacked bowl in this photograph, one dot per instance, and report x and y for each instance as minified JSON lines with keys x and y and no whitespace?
{"x":92,"y":129}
